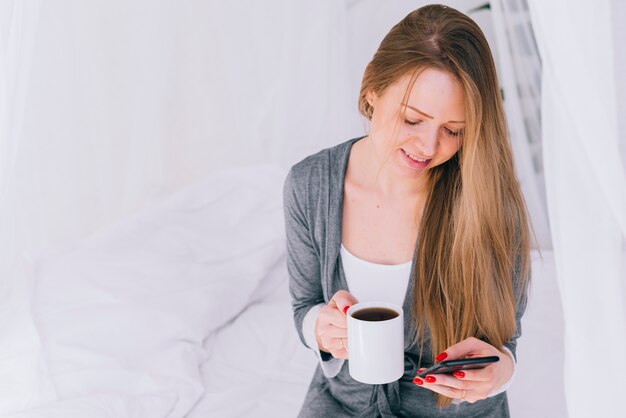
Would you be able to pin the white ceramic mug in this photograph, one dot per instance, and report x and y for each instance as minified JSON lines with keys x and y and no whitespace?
{"x":376,"y":348}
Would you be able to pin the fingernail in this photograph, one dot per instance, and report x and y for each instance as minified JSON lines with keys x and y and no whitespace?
{"x":430,"y":379}
{"x":345,"y":310}
{"x":418,"y":381}
{"x":422,"y":369}
{"x":441,"y":357}
{"x":459,"y":374}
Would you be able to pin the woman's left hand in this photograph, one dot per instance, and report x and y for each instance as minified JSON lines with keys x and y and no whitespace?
{"x":470,"y":385}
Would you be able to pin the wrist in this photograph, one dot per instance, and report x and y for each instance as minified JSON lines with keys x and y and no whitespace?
{"x":508,"y":366}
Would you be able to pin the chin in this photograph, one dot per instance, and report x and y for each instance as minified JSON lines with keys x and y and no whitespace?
{"x":403,"y":170}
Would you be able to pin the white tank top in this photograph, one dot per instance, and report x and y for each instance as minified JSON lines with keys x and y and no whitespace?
{"x":375,"y":282}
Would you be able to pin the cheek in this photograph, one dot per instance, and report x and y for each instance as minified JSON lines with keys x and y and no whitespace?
{"x":380,"y":122}
{"x":450,"y":149}
{"x":409,"y":130}
{"x":454,"y":145}
{"x":456,"y":148}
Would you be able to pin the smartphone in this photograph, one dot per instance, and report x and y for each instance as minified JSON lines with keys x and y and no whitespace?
{"x":451,"y":366}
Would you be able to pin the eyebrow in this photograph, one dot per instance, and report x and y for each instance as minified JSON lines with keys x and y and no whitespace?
{"x":428,"y":116}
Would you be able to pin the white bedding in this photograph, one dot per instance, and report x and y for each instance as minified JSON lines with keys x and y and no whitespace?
{"x":183,"y":311}
{"x":126,"y":318}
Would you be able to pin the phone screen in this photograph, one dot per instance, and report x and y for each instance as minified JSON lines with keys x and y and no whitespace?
{"x":450,"y":366}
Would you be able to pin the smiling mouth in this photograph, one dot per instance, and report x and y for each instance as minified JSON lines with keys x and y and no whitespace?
{"x":415,"y":158}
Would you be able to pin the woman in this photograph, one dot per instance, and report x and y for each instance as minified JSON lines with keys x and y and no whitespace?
{"x":424,"y":211}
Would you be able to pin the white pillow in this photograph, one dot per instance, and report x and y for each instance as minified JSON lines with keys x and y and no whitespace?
{"x":126,"y":312}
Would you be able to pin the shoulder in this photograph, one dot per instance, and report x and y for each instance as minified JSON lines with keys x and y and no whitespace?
{"x":316,"y":169}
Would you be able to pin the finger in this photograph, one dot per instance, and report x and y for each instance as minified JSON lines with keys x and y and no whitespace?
{"x":468,"y":347}
{"x":466,"y":395}
{"x":450,"y":381}
{"x":330,"y":315}
{"x":336,"y":318}
{"x":330,"y":331}
{"x":446,"y":390}
{"x":476,"y":390}
{"x":337,"y":346}
{"x":343,"y":300}
{"x":340,"y":353}
{"x":476,"y":375}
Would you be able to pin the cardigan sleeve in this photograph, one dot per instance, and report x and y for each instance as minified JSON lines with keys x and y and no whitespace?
{"x":303,"y":260}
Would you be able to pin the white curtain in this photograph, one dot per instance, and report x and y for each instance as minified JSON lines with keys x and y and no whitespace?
{"x":519,"y":70}
{"x":17,"y":36}
{"x":129,"y":101}
{"x":107,"y":106}
{"x":114,"y":104}
{"x":20,"y":366}
{"x":618,"y":17}
{"x":586,"y":195}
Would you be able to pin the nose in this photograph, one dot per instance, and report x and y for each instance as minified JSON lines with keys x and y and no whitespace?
{"x":428,"y":142}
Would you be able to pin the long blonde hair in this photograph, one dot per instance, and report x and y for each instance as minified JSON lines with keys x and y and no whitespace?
{"x":474,"y":241}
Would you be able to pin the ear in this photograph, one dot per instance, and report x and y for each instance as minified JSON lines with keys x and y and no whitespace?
{"x":371,"y":97}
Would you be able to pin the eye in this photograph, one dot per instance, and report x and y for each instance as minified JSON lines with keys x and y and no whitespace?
{"x":412,"y":123}
{"x":453,"y":133}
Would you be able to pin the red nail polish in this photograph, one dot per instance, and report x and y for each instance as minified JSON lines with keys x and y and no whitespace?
{"x":345,"y":310}
{"x":418,"y":381}
{"x":430,"y":379}
{"x":441,"y":357}
{"x":422,"y":369}
{"x":459,"y":374}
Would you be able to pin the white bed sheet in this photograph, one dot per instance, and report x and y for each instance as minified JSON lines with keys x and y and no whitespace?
{"x":123,"y":316}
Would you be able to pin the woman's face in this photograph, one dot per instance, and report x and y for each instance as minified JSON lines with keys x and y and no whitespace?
{"x":423,"y":132}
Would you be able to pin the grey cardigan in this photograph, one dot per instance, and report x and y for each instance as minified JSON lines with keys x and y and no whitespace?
{"x":313,"y":197}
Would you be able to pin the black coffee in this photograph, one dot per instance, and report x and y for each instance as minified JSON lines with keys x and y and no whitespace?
{"x":375,"y":314}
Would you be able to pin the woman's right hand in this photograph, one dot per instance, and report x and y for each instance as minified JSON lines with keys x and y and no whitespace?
{"x":331,"y":327}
